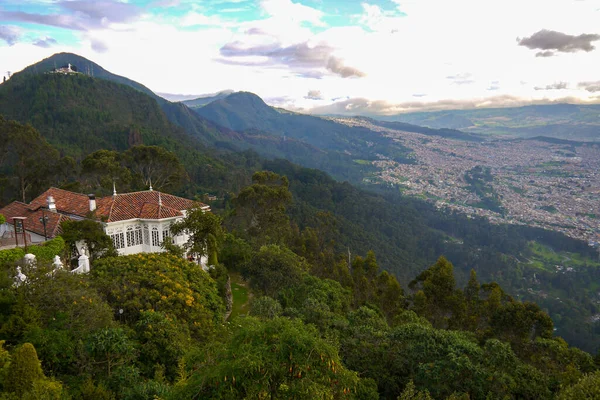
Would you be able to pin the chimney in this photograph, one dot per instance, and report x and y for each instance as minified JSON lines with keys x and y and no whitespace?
{"x":92,"y":198}
{"x":51,"y":204}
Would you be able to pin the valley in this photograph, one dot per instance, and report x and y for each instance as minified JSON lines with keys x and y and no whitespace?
{"x":537,"y":182}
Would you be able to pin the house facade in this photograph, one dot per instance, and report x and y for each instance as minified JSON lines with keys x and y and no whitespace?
{"x":137,"y":222}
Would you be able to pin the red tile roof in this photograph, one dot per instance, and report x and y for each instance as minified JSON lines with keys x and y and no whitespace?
{"x":66,"y":202}
{"x":33,"y":222}
{"x":146,"y":205}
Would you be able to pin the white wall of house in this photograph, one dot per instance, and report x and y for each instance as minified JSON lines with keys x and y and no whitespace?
{"x":5,"y":229}
{"x":142,"y":236}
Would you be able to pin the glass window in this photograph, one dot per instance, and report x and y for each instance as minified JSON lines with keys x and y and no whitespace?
{"x":130,"y":237}
{"x":118,"y":240}
{"x":155,"y":237}
{"x":137,"y":235}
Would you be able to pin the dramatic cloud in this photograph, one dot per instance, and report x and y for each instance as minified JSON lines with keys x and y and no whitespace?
{"x":314,"y":95}
{"x":362,"y":106}
{"x":300,"y":57}
{"x":554,"y":86}
{"x":45,"y":42}
{"x":553,"y":41}
{"x":464,"y":78}
{"x":9,"y":34}
{"x":591,"y":87}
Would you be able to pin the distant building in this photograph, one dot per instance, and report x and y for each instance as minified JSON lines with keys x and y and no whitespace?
{"x":66,"y":69}
{"x":137,"y":222}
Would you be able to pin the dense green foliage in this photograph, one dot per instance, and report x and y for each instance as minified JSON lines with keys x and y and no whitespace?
{"x":160,"y":283}
{"x":27,"y":161}
{"x":151,"y":325}
{"x":480,"y":341}
{"x":44,"y":252}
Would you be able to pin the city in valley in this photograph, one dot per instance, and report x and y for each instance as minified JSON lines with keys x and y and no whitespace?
{"x":543,"y":183}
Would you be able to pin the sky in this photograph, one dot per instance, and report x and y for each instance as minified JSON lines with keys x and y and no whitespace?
{"x":326,"y":56}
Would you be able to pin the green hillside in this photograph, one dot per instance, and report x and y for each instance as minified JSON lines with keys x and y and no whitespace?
{"x":79,"y":114}
{"x":202,"y":101}
{"x":83,"y":66}
{"x":176,"y":113}
{"x":243,"y":111}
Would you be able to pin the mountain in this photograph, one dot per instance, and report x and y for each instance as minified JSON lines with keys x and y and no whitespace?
{"x":442,"y":132}
{"x":79,"y":114}
{"x":85,"y":67}
{"x":177,"y":113}
{"x":199,"y":101}
{"x":562,"y":121}
{"x":243,"y":112}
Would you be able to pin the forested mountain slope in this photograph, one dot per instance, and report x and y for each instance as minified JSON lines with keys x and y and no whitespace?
{"x":79,"y":114}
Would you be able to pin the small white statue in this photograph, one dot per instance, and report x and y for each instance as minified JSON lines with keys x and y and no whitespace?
{"x":29,"y":259}
{"x":20,"y":278}
{"x":84,"y":265}
{"x":57,"y":263}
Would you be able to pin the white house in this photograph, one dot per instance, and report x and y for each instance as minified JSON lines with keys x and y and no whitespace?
{"x":137,"y":222}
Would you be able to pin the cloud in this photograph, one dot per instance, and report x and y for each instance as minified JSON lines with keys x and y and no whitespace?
{"x":591,"y":87}
{"x":314,"y":95}
{"x":295,"y":12}
{"x":300,"y":57}
{"x":196,"y":19}
{"x":553,"y":41}
{"x":495,"y":85}
{"x":255,"y":31}
{"x":378,"y":20}
{"x":79,"y":15}
{"x":60,"y":21}
{"x":98,"y":46}
{"x":462,"y":78}
{"x":102,"y":12}
{"x":544,"y":54}
{"x":554,"y":86}
{"x":9,"y":34}
{"x":45,"y":42}
{"x":362,"y":106}
{"x":419,"y":95}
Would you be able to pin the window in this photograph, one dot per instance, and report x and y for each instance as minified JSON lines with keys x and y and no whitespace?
{"x":155,"y":237}
{"x":146,"y":235}
{"x":138,"y":235}
{"x":118,"y":240}
{"x":130,"y":238}
{"x":165,"y":234}
{"x":134,"y":235}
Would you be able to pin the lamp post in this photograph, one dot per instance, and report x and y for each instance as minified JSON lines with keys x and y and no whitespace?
{"x":43,"y":220}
